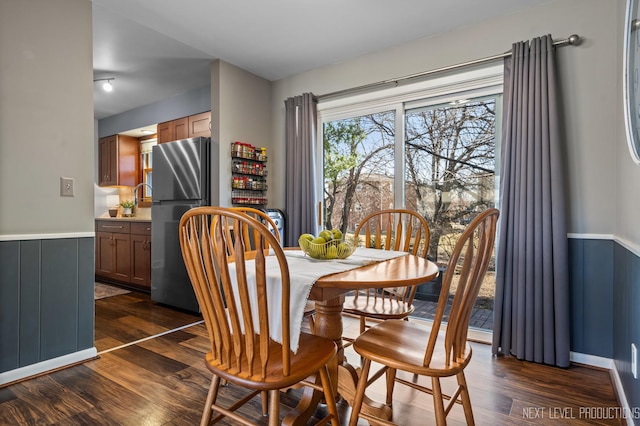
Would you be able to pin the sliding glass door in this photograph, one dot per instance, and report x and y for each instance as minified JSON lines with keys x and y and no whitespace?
{"x":359,"y":169}
{"x":435,"y":157}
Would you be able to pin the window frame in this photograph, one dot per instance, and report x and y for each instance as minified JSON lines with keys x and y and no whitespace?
{"x":481,"y":81}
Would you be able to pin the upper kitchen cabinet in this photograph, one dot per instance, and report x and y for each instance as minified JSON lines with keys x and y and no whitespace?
{"x":185,"y":127}
{"x":200,"y":125}
{"x":118,"y":160}
{"x":173,"y":130}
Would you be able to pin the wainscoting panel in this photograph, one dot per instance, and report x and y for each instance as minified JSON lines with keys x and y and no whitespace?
{"x":626,"y":326}
{"x":591,"y":274}
{"x":9,"y":304}
{"x":46,"y":299}
{"x":29,"y":286}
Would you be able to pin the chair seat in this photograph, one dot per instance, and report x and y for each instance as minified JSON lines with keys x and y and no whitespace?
{"x":401,"y":345}
{"x":377,"y":307}
{"x":313,"y":353}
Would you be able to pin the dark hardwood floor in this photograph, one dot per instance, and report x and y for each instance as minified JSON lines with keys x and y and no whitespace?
{"x":163,"y":381}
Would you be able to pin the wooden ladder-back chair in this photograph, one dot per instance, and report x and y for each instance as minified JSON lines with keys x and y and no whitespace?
{"x":424,"y":351}
{"x":261,"y":216}
{"x":393,"y":229}
{"x":236,"y":313}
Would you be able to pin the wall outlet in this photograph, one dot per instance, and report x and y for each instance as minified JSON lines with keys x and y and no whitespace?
{"x":634,"y":361}
{"x":66,"y":187}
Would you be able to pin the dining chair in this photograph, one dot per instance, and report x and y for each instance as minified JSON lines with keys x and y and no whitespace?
{"x":424,"y":350}
{"x":236,"y":311}
{"x":261,"y":216}
{"x":391,"y":229}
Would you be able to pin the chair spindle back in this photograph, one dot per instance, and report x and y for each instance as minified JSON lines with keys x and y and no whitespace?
{"x":219,"y":245}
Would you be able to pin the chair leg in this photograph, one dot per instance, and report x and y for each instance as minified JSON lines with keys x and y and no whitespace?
{"x":329,"y":396}
{"x":391,"y":381}
{"x":464,"y":397}
{"x":274,"y":407}
{"x":359,"y":398}
{"x":265,"y":403}
{"x":438,"y":402}
{"x":211,"y":398}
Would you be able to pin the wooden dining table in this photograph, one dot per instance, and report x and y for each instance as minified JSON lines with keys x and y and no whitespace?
{"x":328,"y":292}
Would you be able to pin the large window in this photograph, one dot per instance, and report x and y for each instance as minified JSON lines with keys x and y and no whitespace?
{"x":358,"y":168}
{"x":450,"y":153}
{"x":433,"y":151}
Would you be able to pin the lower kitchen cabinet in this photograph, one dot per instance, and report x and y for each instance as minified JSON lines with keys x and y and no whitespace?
{"x":123,"y":252}
{"x":141,"y":254}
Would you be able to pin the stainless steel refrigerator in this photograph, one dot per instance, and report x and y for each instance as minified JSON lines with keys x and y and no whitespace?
{"x":181,"y":179}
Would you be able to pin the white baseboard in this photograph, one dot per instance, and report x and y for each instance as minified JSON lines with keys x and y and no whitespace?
{"x":592,"y":360}
{"x":622,"y":398}
{"x":48,"y":365}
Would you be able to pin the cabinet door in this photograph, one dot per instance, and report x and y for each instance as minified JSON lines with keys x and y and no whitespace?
{"x":180,"y":129}
{"x":128,"y":160}
{"x":104,"y":254}
{"x":200,"y":125}
{"x":165,"y":132}
{"x":118,"y":161}
{"x":173,"y":130}
{"x":122,"y":257}
{"x":107,"y":166}
{"x":141,"y":260}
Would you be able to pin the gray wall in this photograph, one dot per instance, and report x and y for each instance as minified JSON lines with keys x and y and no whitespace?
{"x":242,"y":101}
{"x":46,"y":131}
{"x":183,"y":105}
{"x":46,"y":116}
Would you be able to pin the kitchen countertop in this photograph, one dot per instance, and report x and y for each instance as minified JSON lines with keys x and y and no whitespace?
{"x":132,"y":218}
{"x":142,"y":214}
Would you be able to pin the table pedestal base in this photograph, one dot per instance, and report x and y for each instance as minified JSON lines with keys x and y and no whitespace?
{"x":328,"y":323}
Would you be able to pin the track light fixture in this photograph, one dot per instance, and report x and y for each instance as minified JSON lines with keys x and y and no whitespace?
{"x":107,"y":87}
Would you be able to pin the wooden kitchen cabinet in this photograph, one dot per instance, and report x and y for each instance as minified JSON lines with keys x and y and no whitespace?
{"x":118,"y":161}
{"x":185,"y":127}
{"x":141,"y":254}
{"x":173,"y":130}
{"x":113,"y":250}
{"x":123,"y":252}
{"x":200,"y":125}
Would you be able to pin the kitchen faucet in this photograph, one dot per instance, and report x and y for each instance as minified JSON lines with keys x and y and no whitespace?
{"x":135,"y":192}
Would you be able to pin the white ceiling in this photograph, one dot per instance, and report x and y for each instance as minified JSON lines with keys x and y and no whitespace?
{"x":156,"y":49}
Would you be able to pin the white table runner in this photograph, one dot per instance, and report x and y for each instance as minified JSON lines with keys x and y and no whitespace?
{"x":304,"y":271}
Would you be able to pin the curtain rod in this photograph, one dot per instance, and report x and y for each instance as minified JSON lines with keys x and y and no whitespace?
{"x":573,"y":39}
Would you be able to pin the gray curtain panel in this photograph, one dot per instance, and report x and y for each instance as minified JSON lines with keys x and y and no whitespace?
{"x":300,"y":145}
{"x":531,"y":318}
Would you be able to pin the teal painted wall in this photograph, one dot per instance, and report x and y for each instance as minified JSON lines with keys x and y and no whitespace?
{"x":46,"y":299}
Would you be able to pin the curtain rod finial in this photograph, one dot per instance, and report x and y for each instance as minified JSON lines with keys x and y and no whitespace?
{"x":574,"y":39}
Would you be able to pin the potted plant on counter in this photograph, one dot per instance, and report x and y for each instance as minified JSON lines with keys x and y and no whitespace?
{"x":127,"y":207}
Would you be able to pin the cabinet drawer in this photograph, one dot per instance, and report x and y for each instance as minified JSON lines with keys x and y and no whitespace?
{"x":141,"y":228}
{"x":118,"y":227}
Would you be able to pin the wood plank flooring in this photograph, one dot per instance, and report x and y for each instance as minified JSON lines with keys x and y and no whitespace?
{"x":163,"y":381}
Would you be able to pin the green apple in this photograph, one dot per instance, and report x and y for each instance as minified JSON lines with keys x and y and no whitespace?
{"x":332,"y":252}
{"x":307,"y":237}
{"x":343,"y":250}
{"x":318,"y":240}
{"x":337,"y":234}
{"x":326,"y":235}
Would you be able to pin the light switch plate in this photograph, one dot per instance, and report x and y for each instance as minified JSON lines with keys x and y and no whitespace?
{"x":634,"y":361}
{"x":66,"y":187}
